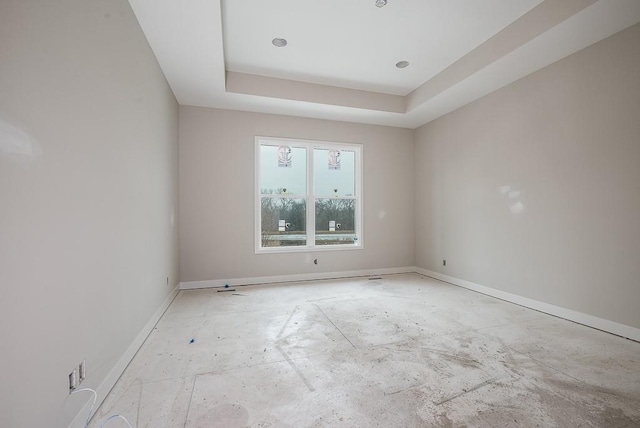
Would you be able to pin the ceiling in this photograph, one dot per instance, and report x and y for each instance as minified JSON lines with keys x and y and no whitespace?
{"x":340,"y":59}
{"x":355,"y":44}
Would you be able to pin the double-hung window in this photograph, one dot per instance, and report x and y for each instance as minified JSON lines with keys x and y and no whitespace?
{"x":308,"y":195}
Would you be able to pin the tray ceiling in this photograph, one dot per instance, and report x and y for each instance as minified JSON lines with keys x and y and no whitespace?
{"x":340,"y":59}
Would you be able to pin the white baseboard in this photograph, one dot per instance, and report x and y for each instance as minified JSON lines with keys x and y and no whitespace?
{"x":219,"y":283}
{"x":571,"y":315}
{"x":115,"y":373}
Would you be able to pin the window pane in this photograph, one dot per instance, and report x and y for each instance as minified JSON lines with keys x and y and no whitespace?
{"x":283,"y":222}
{"x":283,"y":169}
{"x":334,"y":172}
{"x":335,"y":221}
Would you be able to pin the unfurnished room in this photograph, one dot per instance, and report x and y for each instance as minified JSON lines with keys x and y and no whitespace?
{"x":339,"y":213}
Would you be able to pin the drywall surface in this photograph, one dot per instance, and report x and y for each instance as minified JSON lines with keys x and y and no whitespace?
{"x":217,"y":195}
{"x":535,"y":189}
{"x":88,"y":191}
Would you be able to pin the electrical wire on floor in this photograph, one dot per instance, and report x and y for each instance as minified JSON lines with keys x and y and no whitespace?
{"x":106,"y":421}
{"x":95,"y":398}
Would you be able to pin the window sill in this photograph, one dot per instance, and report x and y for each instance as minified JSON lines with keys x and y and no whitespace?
{"x":317,"y":249}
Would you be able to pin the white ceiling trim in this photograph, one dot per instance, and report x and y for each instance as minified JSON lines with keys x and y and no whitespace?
{"x":187,"y":40}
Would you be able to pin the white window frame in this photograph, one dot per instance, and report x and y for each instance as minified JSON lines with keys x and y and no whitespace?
{"x":310,"y":145}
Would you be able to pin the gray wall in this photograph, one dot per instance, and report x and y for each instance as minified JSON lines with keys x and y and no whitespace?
{"x":535,"y":189}
{"x":217,"y":195}
{"x":88,"y":191}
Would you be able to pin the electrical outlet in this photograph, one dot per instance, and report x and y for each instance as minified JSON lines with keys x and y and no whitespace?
{"x":444,"y":262}
{"x":73,"y":379}
{"x":82,"y":370}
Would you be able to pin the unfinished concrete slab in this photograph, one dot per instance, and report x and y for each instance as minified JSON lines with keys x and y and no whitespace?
{"x":400,"y":351}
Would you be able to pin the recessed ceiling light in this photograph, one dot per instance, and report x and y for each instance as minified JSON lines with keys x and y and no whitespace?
{"x":402,"y":64}
{"x":279,"y":42}
{"x":381,"y":3}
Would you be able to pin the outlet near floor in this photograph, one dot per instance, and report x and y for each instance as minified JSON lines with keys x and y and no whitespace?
{"x":77,"y":375}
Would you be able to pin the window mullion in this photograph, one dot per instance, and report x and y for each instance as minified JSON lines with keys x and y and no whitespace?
{"x":358,"y":197}
{"x":311,"y":202}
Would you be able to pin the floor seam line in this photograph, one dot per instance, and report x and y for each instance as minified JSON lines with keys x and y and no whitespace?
{"x":296,"y":369}
{"x":336,"y":327}
{"x":545,"y":364}
{"x":287,"y":322}
{"x":193,"y":388}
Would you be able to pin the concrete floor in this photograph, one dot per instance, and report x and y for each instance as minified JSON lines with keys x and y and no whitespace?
{"x":401,"y":351}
